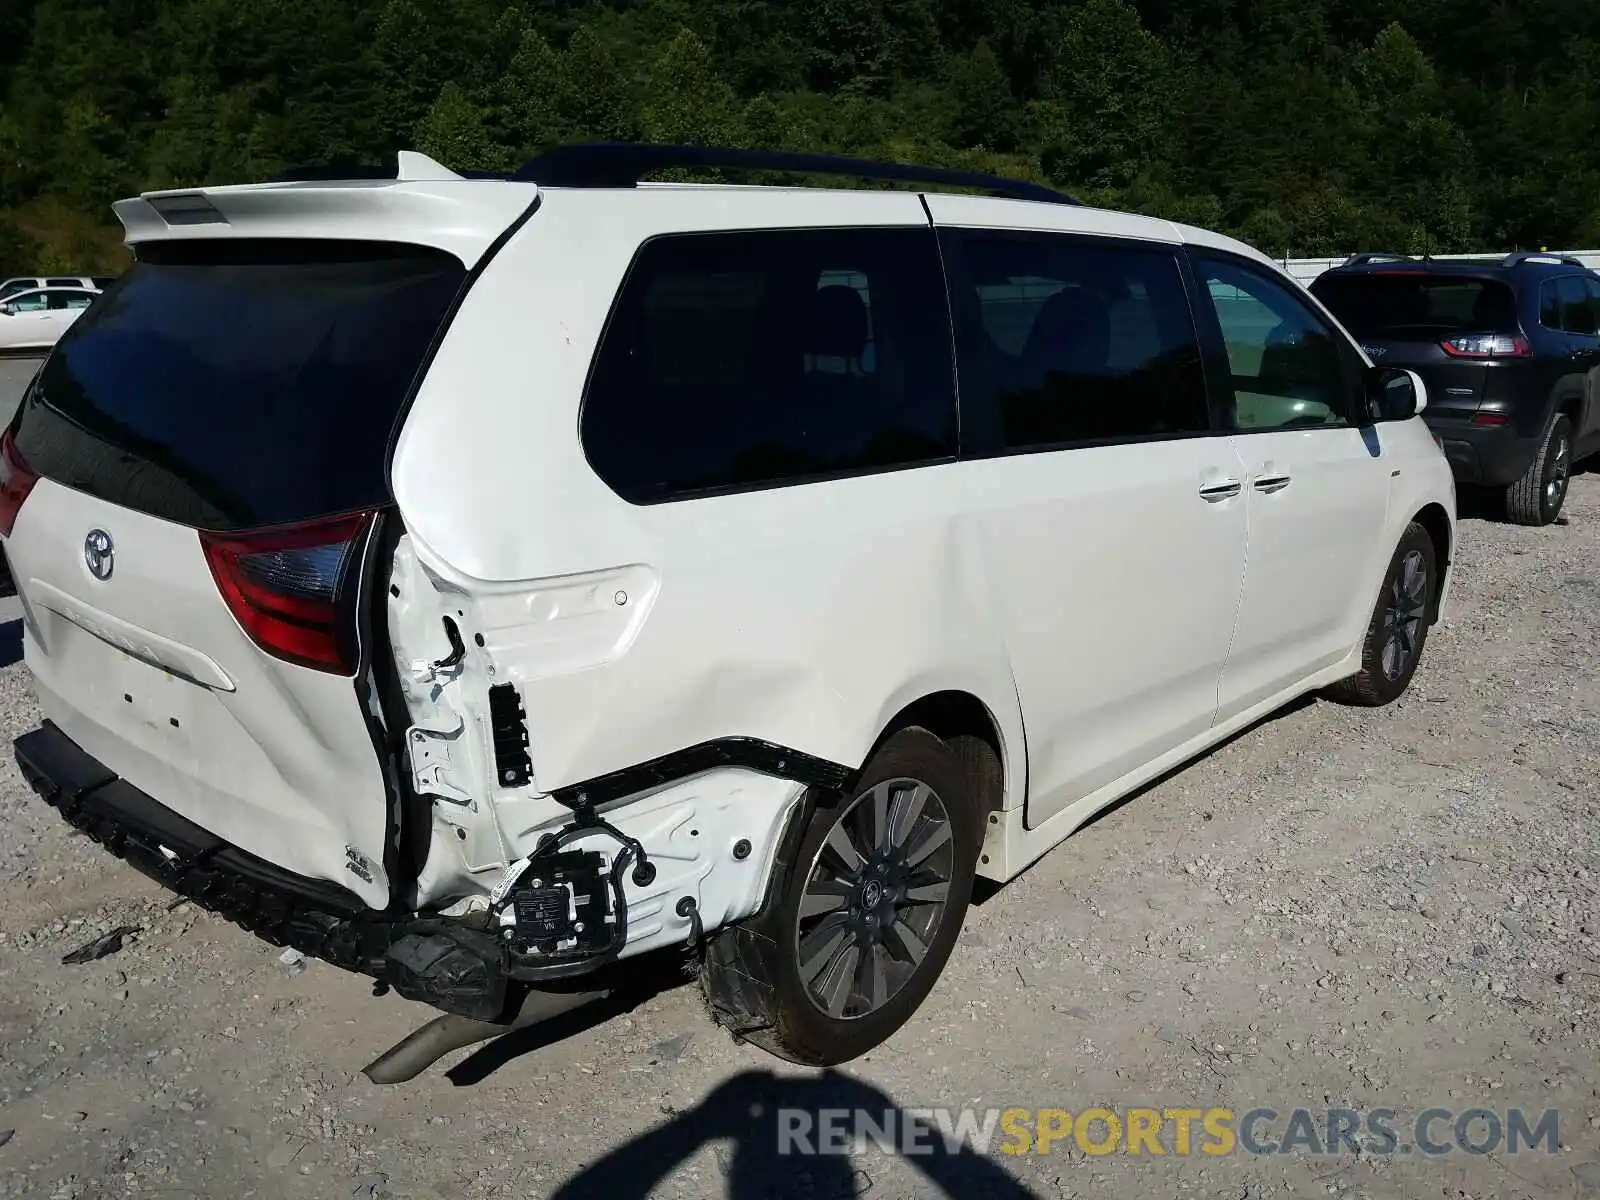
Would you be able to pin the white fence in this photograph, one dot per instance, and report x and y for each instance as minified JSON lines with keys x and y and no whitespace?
{"x":1307,"y":269}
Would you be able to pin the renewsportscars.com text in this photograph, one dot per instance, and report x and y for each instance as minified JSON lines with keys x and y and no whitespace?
{"x":1169,"y":1130}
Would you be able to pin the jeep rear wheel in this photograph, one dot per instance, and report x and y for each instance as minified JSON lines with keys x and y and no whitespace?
{"x":1537,"y":497}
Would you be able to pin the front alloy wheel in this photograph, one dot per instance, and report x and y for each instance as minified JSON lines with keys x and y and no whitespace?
{"x":1405,"y":613}
{"x":1397,"y":631}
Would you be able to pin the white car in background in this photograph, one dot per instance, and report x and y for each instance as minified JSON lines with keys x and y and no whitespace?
{"x":33,"y":320}
{"x":27,"y":283}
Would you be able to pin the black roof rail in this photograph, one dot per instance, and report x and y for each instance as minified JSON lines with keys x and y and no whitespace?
{"x":1372,"y":256}
{"x":1518,"y":257}
{"x":624,"y":164}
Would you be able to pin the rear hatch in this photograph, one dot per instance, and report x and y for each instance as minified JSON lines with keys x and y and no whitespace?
{"x":1452,"y":329}
{"x":192,"y":489}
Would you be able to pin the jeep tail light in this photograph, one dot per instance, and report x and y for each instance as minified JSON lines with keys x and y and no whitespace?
{"x":1486,"y":345}
{"x":16,"y":481}
{"x":285,"y":586}
{"x":1490,"y":418}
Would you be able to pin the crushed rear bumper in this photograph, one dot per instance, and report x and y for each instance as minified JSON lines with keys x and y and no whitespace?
{"x":451,"y":966}
{"x":313,"y":916}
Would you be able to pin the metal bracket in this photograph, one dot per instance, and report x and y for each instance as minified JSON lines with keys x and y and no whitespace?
{"x":434,"y":762}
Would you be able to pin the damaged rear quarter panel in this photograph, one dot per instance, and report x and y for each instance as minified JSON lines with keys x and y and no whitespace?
{"x":803,"y":615}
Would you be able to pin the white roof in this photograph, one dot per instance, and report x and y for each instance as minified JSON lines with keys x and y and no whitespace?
{"x":430,"y":205}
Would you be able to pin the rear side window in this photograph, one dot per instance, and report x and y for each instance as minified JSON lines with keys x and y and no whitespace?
{"x":1079,"y":341}
{"x":227,"y":385}
{"x":1401,"y":305}
{"x":1576,"y":307}
{"x":740,"y":360}
{"x":72,"y":281}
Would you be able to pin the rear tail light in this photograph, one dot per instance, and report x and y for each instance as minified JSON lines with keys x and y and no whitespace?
{"x":1490,"y":418}
{"x":285,"y":587}
{"x":16,"y":481}
{"x":1486,"y":345}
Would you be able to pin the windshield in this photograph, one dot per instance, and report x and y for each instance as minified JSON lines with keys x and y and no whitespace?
{"x":1397,"y":305}
{"x":226,"y":385}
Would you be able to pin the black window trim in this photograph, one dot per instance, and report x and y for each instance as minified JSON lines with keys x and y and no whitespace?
{"x":979,"y":404}
{"x":792,"y":481}
{"x":1548,"y":283}
{"x":1591,"y":283}
{"x":1356,"y":412}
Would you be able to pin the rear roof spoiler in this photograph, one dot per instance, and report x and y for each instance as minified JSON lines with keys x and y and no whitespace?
{"x":417,"y":201}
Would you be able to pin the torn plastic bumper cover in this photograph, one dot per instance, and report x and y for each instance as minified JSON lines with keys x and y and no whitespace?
{"x":452,"y":965}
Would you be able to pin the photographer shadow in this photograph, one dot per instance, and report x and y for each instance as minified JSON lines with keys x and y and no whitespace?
{"x":761,"y":1114}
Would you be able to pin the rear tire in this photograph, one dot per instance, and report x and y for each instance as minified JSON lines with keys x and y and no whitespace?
{"x":1398,"y":630}
{"x":1537,"y":497}
{"x":871,"y":906}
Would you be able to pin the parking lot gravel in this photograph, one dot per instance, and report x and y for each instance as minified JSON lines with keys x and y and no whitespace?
{"x":1390,"y":908}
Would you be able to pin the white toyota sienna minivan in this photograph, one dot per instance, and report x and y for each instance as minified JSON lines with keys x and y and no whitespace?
{"x":480,"y":582}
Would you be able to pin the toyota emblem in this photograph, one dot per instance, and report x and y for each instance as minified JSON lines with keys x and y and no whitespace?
{"x":99,"y":554}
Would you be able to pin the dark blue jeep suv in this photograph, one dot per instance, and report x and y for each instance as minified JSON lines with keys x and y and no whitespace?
{"x":1509,"y":349}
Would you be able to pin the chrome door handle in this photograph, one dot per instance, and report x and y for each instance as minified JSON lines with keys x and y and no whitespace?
{"x":1272,"y":483}
{"x":1220,"y":489}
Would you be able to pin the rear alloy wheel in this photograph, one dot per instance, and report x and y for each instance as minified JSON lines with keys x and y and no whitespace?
{"x":873,"y":905}
{"x":874,"y":898}
{"x":1398,"y":629}
{"x":1537,"y":497}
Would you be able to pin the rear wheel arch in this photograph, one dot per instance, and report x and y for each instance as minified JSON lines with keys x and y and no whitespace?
{"x":1572,"y":403}
{"x":971,"y":728}
{"x":1434,"y":519}
{"x":1567,"y":396}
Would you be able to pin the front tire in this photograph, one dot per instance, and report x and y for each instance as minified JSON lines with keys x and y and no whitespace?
{"x":1537,"y":497}
{"x":1398,"y":630}
{"x":871,"y":905}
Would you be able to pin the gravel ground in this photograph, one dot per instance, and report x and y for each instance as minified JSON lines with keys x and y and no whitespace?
{"x":1391,"y":908}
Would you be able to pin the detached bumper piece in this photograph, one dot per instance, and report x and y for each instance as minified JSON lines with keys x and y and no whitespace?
{"x":450,"y":965}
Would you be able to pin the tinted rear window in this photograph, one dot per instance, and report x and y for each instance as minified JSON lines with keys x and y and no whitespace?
{"x":1400,"y":305}
{"x":739,"y":360}
{"x":226,"y":385}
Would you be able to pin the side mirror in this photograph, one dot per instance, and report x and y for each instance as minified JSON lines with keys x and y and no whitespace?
{"x":1394,"y":394}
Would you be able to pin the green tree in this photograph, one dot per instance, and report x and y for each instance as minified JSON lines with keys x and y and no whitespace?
{"x":1105,"y":104}
{"x":453,"y":133}
{"x":1420,"y":160}
{"x":526,"y":114}
{"x":593,"y":95}
{"x":984,"y":112}
{"x":687,"y":100}
{"x":17,"y":251}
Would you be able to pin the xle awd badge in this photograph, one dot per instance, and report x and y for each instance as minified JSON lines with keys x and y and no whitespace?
{"x":99,"y":554}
